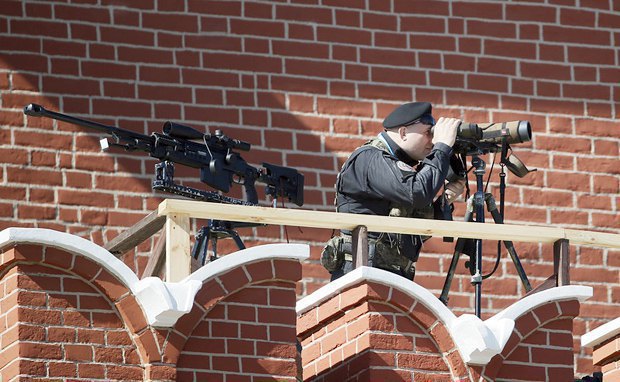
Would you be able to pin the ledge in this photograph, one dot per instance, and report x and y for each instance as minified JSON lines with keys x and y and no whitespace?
{"x":601,"y":334}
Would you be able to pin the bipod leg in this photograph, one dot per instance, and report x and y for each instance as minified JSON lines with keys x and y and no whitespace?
{"x":497,"y":218}
{"x":458,"y":249}
{"x":237,"y":239}
{"x":199,"y":251}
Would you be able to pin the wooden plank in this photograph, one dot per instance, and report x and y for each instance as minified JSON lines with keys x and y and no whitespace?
{"x":333,"y":220}
{"x":136,"y":234}
{"x":561,"y":261}
{"x":599,"y":239}
{"x":549,"y":283}
{"x":178,"y":258}
{"x":360,"y":246}
{"x":156,"y":261}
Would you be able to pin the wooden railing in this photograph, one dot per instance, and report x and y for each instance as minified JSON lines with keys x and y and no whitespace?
{"x":175,"y":216}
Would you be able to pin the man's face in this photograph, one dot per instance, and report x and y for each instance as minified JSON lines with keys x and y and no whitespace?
{"x":417,"y":140}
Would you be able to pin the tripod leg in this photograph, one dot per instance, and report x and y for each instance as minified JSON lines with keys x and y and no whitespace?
{"x":497,"y":218}
{"x":458,"y":249}
{"x":460,"y":243}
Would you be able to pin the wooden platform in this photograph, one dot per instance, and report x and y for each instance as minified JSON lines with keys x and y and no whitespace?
{"x":177,"y":214}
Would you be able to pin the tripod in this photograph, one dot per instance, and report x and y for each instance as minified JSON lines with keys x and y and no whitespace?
{"x":475,"y":206}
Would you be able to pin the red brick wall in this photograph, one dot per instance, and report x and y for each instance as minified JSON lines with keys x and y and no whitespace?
{"x":372,"y":332}
{"x":249,"y":333}
{"x":305,"y":84}
{"x":64,"y":316}
{"x":56,"y":324}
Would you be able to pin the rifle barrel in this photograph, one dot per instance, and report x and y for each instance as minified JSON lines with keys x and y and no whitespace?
{"x":35,"y":110}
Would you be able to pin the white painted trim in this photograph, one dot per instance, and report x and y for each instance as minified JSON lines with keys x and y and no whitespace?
{"x":162,"y":302}
{"x":478,"y":341}
{"x":601,"y":334}
{"x":70,"y":243}
{"x":249,"y":255}
{"x":529,"y":303}
{"x":381,"y":277}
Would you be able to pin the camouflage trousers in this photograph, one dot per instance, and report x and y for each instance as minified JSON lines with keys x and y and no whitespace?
{"x":382,"y":253}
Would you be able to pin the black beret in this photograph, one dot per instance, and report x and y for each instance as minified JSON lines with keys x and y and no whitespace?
{"x":407,"y":113}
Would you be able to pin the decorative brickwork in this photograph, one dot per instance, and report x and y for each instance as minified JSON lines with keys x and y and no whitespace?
{"x":65,"y":316}
{"x":371,"y":327}
{"x":63,"y":322}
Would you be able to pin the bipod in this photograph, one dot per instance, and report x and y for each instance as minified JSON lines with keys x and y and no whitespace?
{"x":216,"y":229}
{"x":475,"y":205}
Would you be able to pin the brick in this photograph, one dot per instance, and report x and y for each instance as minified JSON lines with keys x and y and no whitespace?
{"x":432,"y":42}
{"x":138,"y":54}
{"x":308,"y":68}
{"x":605,"y":220}
{"x":132,"y":314}
{"x":471,"y":99}
{"x":343,"y":35}
{"x":226,"y":363}
{"x":576,"y":35}
{"x":549,"y":71}
{"x":596,"y":128}
{"x":554,"y":106}
{"x":257,"y":28}
{"x":565,"y":144}
{"x":287,"y":270}
{"x":40,"y":350}
{"x":606,"y":184}
{"x":78,"y":352}
{"x":161,"y":372}
{"x":125,"y":372}
{"x":489,"y":83}
{"x":592,"y":92}
{"x":552,"y":356}
{"x":305,"y":14}
{"x":534,"y":373}
{"x":478,"y":10}
{"x":421,"y":361}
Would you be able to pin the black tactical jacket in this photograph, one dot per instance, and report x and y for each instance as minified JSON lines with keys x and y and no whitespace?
{"x":376,"y":179}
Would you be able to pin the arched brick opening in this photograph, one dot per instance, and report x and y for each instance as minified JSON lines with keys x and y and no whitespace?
{"x":63,"y":319}
{"x":374,"y":331}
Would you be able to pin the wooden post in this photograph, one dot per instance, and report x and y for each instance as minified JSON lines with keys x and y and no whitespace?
{"x":561,"y":261}
{"x":156,"y":260}
{"x":360,"y":246}
{"x":178,"y":258}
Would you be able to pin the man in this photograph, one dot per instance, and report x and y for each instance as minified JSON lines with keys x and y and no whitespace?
{"x":398,"y":173}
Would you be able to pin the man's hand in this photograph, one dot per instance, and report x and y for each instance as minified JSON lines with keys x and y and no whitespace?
{"x":445,"y":131}
{"x":454,"y":189}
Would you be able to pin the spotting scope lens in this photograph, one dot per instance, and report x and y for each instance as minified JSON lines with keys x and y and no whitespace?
{"x":514,"y":132}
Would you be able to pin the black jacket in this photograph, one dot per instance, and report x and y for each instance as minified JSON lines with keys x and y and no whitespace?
{"x":374,"y":180}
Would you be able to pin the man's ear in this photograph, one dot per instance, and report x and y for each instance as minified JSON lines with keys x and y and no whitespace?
{"x":402,"y":133}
